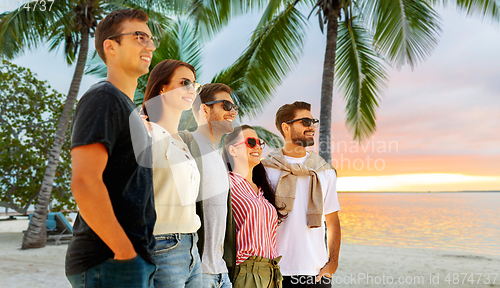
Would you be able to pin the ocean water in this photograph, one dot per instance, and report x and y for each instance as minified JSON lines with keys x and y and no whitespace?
{"x":468,"y":222}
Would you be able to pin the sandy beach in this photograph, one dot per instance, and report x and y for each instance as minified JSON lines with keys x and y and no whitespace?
{"x":359,"y":265}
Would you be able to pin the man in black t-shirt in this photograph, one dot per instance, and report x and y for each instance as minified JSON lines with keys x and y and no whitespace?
{"x":112,"y":185}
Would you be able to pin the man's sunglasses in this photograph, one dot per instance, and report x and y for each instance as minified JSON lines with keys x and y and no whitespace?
{"x":251,"y":142}
{"x":226,"y":105}
{"x":305,"y":121}
{"x":142,"y":37}
{"x":188,"y":85}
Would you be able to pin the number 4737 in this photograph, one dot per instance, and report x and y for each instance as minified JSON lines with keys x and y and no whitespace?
{"x":40,"y":4}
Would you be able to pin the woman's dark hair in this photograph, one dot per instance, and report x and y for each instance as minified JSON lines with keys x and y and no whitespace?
{"x":259,"y":174}
{"x":161,"y":75}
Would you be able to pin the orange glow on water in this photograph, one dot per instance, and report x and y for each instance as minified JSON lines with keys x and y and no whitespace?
{"x":448,"y":221}
{"x":419,"y":182}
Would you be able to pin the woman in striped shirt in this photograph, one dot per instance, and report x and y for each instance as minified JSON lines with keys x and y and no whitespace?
{"x":254,"y":210}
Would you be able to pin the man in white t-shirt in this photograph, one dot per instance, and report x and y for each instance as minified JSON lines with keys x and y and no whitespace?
{"x":307,"y":261}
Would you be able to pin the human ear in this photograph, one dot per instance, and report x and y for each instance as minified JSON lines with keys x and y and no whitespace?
{"x":285,"y":127}
{"x":231,"y":151}
{"x":109,"y":47}
{"x":163,"y":89}
{"x":206,"y":111}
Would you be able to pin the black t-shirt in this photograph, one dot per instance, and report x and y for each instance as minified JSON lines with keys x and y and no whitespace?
{"x":104,"y":115}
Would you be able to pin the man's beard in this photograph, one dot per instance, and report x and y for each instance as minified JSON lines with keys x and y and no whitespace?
{"x":302,"y":140}
{"x":221,"y":127}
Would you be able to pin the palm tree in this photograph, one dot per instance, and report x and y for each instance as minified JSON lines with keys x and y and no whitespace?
{"x":71,"y":22}
{"x":275,"y":47}
{"x":374,"y":32}
{"x":370,"y":33}
{"x":361,"y":37}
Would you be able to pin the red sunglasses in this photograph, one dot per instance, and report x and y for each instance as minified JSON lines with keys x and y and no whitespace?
{"x":251,"y":142}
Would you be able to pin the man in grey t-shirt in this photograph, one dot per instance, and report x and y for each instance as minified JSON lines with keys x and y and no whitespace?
{"x":214,"y":111}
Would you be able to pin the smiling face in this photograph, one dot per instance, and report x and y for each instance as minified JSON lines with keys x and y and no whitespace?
{"x":220,"y":120}
{"x":174,"y":94}
{"x":298,"y":133}
{"x":244,"y":155}
{"x":129,"y":54}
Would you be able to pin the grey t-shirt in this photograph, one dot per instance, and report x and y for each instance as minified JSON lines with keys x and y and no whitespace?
{"x":215,"y":192}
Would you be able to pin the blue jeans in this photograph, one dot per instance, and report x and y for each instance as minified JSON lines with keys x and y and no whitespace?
{"x":216,"y":281}
{"x":178,"y":261}
{"x":131,"y":273}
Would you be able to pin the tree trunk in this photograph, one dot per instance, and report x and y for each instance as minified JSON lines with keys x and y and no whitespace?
{"x":325,"y":123}
{"x":36,"y":235}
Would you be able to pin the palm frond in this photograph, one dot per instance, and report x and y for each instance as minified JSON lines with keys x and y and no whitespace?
{"x":488,"y":9}
{"x":211,"y":16}
{"x":179,"y":43}
{"x":360,"y":76}
{"x":484,"y":9}
{"x":95,"y":66}
{"x":23,"y":29}
{"x":274,"y":49}
{"x":273,"y":8}
{"x":64,"y":33}
{"x":159,"y":17}
{"x":174,"y":7}
{"x":187,"y":121}
{"x":405,"y":31}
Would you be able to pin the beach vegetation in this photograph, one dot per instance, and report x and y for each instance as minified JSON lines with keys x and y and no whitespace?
{"x":68,"y":26}
{"x":29,"y":110}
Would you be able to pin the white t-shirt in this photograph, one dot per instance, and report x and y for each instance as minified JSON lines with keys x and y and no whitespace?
{"x":303,"y":249}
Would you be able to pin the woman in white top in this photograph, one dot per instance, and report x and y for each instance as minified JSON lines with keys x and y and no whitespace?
{"x":170,"y":90}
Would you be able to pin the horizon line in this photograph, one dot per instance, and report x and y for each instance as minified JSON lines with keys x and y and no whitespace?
{"x":457,"y":191}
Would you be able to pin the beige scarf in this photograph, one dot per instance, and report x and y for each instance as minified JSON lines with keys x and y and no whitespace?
{"x":285,"y":189}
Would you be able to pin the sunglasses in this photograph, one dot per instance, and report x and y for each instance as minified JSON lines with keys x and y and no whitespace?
{"x":251,"y":142}
{"x":305,"y":121}
{"x":226,"y":105}
{"x":142,"y":37}
{"x":188,"y":85}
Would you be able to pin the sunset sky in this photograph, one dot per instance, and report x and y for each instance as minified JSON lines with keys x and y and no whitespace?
{"x":437,"y":126}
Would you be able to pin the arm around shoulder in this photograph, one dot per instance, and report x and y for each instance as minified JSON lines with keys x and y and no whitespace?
{"x":88,"y":164}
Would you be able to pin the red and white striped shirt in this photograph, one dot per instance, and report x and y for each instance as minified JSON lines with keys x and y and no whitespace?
{"x":256,"y":221}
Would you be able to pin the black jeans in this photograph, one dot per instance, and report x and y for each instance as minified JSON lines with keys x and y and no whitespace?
{"x":306,"y":281}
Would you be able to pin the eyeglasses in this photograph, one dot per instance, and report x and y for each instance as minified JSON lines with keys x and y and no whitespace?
{"x":142,"y":37}
{"x":226,"y":105}
{"x":305,"y":121}
{"x":251,"y":142}
{"x":188,"y":85}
